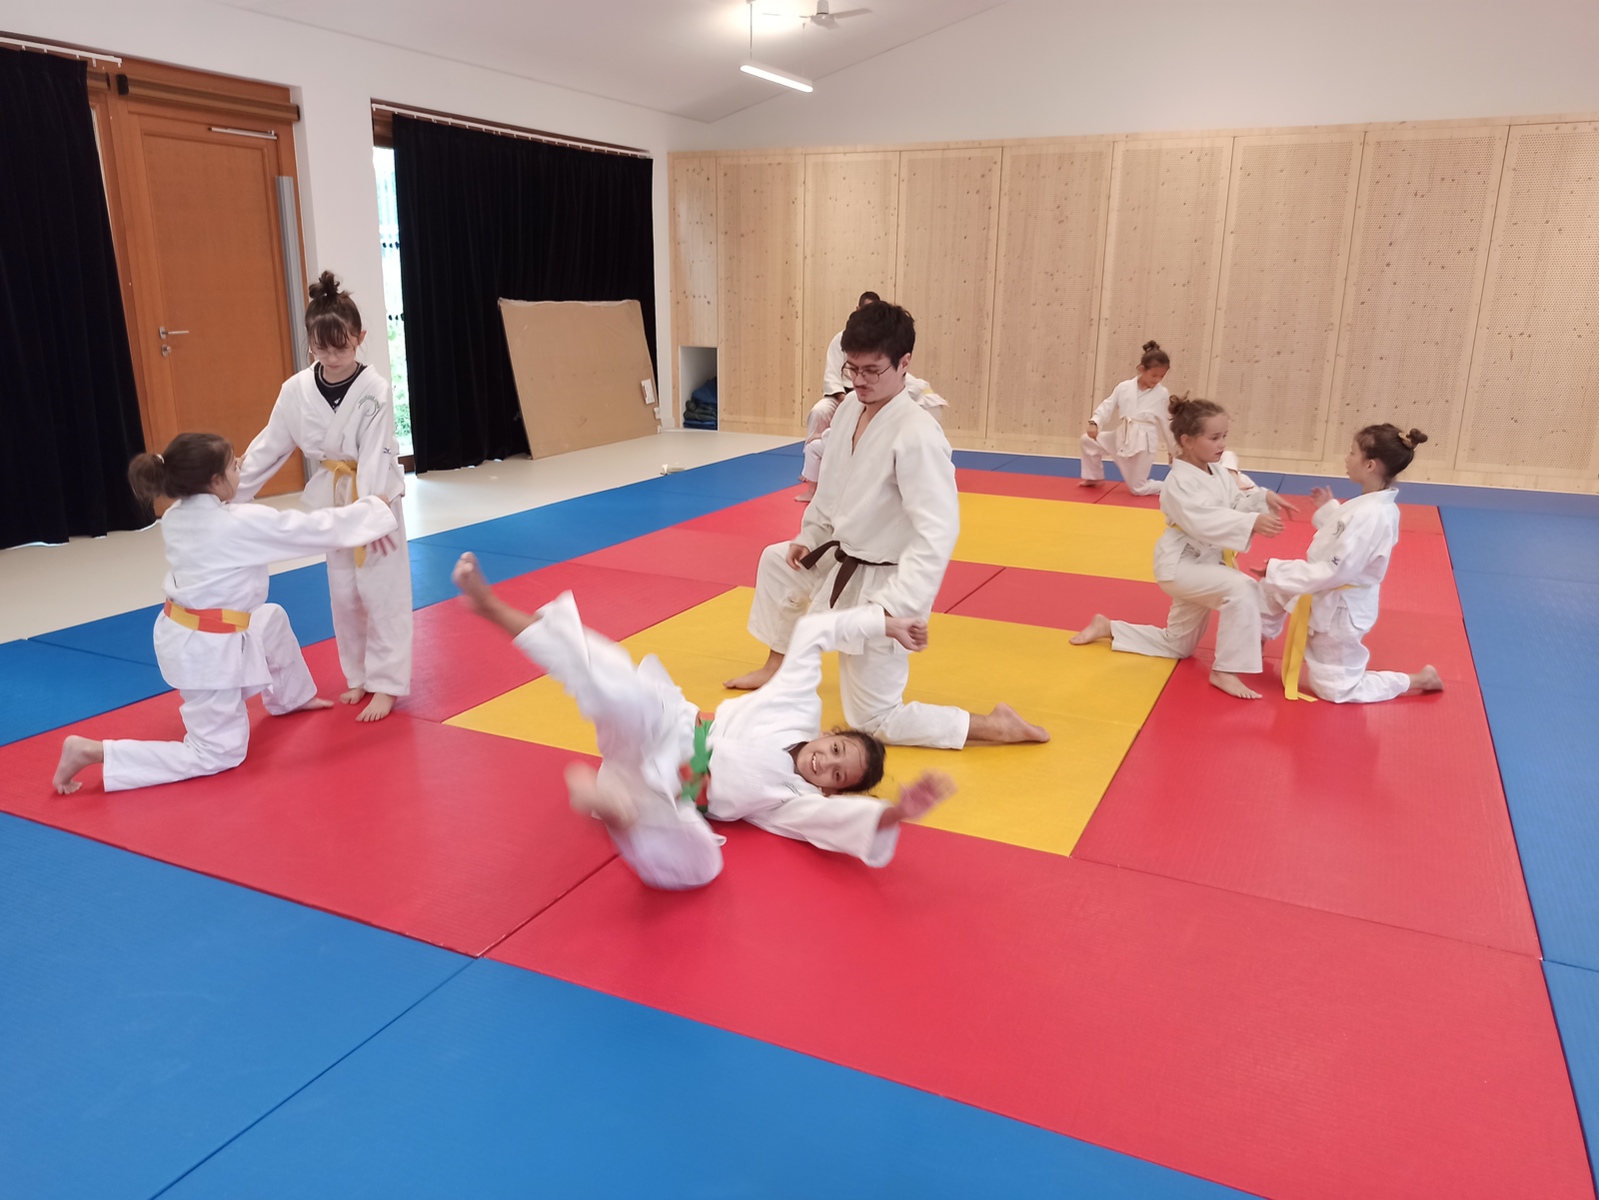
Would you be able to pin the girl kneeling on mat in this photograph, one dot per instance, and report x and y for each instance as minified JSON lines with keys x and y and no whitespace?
{"x":217,"y":640}
{"x":1337,"y":582}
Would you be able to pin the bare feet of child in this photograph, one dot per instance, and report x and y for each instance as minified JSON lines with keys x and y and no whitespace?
{"x":354,"y":696}
{"x":755,"y":678}
{"x":474,"y":588}
{"x":382,"y":705}
{"x":1003,"y":725}
{"x":1089,"y":482}
{"x":806,"y":494}
{"x":1427,"y":680}
{"x":1232,"y":685}
{"x":588,"y":797}
{"x":76,"y":753}
{"x":1096,"y":630}
{"x":314,"y":703}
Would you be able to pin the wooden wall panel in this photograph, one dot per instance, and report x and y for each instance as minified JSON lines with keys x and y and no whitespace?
{"x":759,"y":260}
{"x":851,"y":235}
{"x":948,"y":225}
{"x":1420,"y":247}
{"x":1052,"y":212}
{"x":1290,"y":211}
{"x":1533,"y":404}
{"x":1163,"y":259}
{"x":691,"y":196}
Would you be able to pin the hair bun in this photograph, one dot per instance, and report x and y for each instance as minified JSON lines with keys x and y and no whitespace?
{"x":325,"y":288}
{"x":1175,"y":404}
{"x":1414,"y":438}
{"x":1149,"y":347}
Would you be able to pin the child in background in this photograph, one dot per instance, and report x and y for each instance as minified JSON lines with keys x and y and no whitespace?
{"x":1338,"y":581}
{"x":1130,"y":426}
{"x":1209,"y":521}
{"x":217,"y":640}
{"x":339,"y":413}
{"x":761,"y":758}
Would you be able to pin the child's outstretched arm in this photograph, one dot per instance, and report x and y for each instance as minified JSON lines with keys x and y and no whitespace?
{"x":480,"y":597}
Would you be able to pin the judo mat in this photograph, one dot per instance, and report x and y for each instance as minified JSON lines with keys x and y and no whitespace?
{"x":1190,"y":947}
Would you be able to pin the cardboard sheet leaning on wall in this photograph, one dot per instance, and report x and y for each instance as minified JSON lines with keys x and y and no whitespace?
{"x":583,"y":373}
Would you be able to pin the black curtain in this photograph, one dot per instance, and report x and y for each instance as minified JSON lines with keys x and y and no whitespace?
{"x":69,"y":412}
{"x":484,"y":216}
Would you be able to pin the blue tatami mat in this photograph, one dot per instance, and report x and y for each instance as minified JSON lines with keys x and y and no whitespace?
{"x":572,"y":528}
{"x":126,"y":636}
{"x":734,"y":479}
{"x":982,"y":460}
{"x":1575,"y":994}
{"x":432,"y":562}
{"x":47,"y":686}
{"x":1535,"y":546}
{"x":787,"y":450}
{"x":150,"y":1014}
{"x":1531,"y":632}
{"x":505,"y":1083}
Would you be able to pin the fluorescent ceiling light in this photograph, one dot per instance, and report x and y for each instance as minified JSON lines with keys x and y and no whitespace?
{"x":776,"y":76}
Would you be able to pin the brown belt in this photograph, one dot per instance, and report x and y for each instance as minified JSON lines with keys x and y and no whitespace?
{"x":848,"y":564}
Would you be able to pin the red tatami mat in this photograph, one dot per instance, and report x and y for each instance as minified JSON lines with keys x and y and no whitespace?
{"x":459,"y":660}
{"x":442,"y":834}
{"x":1277,"y":1049}
{"x":1033,"y":487}
{"x":1391,"y":812}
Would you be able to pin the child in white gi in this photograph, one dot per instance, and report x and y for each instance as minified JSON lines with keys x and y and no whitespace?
{"x":217,"y":640}
{"x":1338,"y":580}
{"x":761,"y":758}
{"x":880,"y":531}
{"x":1130,"y":426}
{"x":1209,"y":521}
{"x":834,"y":385}
{"x":339,"y":413}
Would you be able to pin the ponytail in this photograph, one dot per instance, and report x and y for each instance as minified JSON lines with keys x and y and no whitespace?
{"x":1385,"y":444}
{"x":1188,"y":416}
{"x":187,"y":467}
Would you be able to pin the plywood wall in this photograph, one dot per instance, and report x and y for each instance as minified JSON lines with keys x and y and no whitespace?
{"x":1052,"y":213}
{"x":759,"y":252}
{"x":1440,"y":275}
{"x":851,"y":240}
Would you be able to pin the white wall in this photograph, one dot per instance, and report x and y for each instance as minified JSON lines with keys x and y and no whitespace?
{"x":334,"y":79}
{"x":1042,"y":68}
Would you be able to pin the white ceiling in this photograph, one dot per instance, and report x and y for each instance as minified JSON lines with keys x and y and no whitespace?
{"x":674,"y":56}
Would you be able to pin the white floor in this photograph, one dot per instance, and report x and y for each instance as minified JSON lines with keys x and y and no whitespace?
{"x":50,"y":587}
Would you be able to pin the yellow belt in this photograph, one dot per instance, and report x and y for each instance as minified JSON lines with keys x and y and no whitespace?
{"x":1294,"y":645}
{"x":339,"y":467}
{"x":208,"y":620}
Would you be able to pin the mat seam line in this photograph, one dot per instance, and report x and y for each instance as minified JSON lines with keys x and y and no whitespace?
{"x":453,"y":975}
{"x":492,"y":947}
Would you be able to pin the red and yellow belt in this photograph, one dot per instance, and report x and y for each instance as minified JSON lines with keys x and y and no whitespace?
{"x":208,"y":620}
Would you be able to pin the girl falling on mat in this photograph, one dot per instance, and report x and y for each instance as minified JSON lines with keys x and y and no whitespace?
{"x":761,"y":758}
{"x":339,"y":414}
{"x":1337,"y":582}
{"x":1130,"y":426}
{"x":1209,"y":521}
{"x":217,"y":640}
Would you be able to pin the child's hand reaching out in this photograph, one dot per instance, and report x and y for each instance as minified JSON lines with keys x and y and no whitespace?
{"x":1320,"y":496}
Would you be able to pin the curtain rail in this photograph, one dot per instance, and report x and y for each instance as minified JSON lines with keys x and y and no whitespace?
{"x":531,"y":135}
{"x":52,"y":48}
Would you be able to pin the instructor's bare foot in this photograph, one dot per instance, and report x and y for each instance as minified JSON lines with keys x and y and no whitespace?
{"x":1427,"y":680}
{"x":352,"y":696}
{"x":1232,"y":685}
{"x":757,"y":677}
{"x":1003,"y":725}
{"x":1096,"y":630}
{"x":382,"y":705}
{"x":76,"y":753}
{"x":588,"y":797}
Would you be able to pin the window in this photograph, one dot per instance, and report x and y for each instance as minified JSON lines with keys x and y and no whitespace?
{"x":393,"y":298}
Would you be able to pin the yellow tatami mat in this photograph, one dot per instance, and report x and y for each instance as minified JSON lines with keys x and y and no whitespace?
{"x":1048,"y":535}
{"x":1040,"y":796}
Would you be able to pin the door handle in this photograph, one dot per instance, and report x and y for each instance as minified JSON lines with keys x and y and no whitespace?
{"x":166,"y":333}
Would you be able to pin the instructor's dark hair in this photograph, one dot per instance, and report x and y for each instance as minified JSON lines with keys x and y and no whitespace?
{"x":186,"y":467}
{"x":1387,"y":445}
{"x":1188,"y":416}
{"x":1154,"y":356}
{"x":868,"y":298}
{"x":880,"y":328}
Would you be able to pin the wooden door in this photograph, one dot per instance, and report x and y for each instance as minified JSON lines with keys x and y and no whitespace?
{"x":211,"y":301}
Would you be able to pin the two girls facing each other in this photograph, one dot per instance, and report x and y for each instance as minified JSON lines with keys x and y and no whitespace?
{"x":1210,"y":520}
{"x":217,"y":640}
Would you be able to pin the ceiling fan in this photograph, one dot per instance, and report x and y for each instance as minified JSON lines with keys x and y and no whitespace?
{"x":824,"y":16}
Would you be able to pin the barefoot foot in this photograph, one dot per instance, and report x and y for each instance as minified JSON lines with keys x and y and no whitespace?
{"x":381,"y":706}
{"x":1427,"y":680}
{"x":1004,"y":725}
{"x":806,"y":494}
{"x":588,"y":797}
{"x":1232,"y":685}
{"x":1096,"y":630}
{"x":468,"y":576}
{"x":353,"y":696}
{"x":76,"y":753}
{"x":1089,"y":482}
{"x":757,"y":677}
{"x":314,"y":703}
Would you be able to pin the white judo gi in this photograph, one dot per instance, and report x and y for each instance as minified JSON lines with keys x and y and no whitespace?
{"x":217,"y":558}
{"x":820,"y":420}
{"x":890,"y":504}
{"x":371,"y":603}
{"x":1343,"y":572}
{"x":1134,"y":426}
{"x":1206,"y":515}
{"x":645,"y":728}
